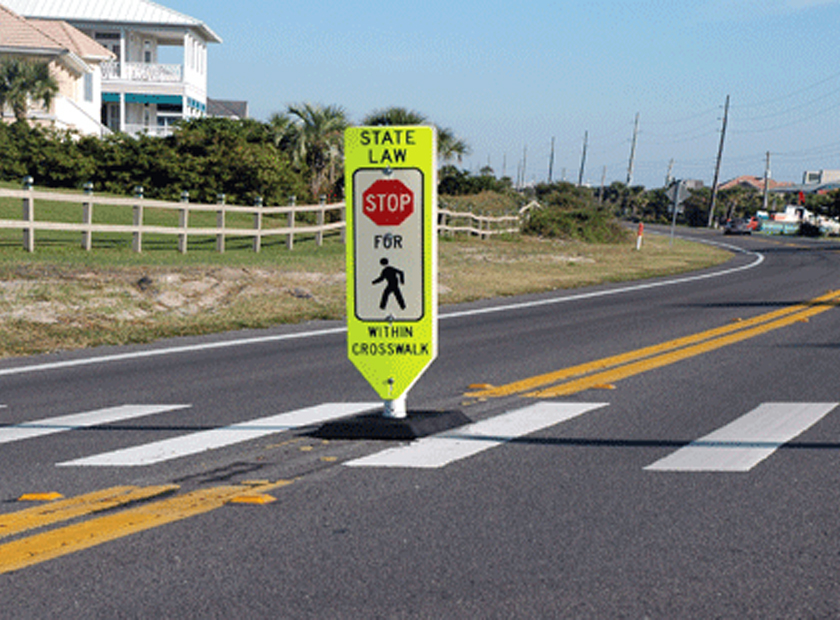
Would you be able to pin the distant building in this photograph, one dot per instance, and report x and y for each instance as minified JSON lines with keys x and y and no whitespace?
{"x":159,"y":72}
{"x":227,"y":109}
{"x":752,"y":182}
{"x":74,"y":61}
{"x":820,"y":177}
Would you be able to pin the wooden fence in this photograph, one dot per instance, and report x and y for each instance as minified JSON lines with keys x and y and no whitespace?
{"x":261,"y":228}
{"x":483,"y":226}
{"x":263,"y":222}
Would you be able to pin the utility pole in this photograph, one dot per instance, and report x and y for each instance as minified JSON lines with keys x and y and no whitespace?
{"x":601,"y":190}
{"x":766,"y":180}
{"x":717,"y":165}
{"x":551,"y":162}
{"x":632,"y":152}
{"x":668,"y":177}
{"x":524,"y":163}
{"x":583,"y":158}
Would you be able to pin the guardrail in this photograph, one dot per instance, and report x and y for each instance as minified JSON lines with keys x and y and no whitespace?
{"x":139,"y":226}
{"x":263,"y":220}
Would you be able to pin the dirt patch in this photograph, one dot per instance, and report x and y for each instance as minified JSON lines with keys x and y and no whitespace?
{"x":135,"y":294}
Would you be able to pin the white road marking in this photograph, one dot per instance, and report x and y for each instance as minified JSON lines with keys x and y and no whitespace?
{"x":195,"y":443}
{"x":741,"y":445}
{"x":48,"y":426}
{"x":440,"y":450}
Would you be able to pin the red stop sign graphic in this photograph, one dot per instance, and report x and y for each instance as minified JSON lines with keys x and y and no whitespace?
{"x":388,"y":202}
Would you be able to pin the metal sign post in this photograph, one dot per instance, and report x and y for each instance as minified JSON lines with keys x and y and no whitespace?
{"x":392,"y":305}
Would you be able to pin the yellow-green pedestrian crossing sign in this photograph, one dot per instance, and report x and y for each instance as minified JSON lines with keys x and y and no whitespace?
{"x":391,"y":192}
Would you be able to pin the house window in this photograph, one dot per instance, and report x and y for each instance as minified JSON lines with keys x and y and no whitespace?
{"x":88,"y":85}
{"x":147,"y":52}
{"x":110,"y":40}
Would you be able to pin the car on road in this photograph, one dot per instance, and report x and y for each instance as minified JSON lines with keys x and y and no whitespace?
{"x":739,"y":226}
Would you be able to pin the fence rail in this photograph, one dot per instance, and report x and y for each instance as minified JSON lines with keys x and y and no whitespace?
{"x":140,"y":227}
{"x":483,"y":226}
{"x":263,"y":220}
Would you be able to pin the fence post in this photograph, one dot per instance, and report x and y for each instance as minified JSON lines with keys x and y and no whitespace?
{"x":342,"y":215}
{"x":137,"y":241}
{"x":258,"y":218}
{"x":29,"y":215}
{"x":290,"y":240}
{"x":183,"y":222}
{"x":87,"y":218}
{"x":319,"y":236}
{"x":220,"y":224}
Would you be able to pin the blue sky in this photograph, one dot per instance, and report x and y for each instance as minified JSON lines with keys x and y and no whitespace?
{"x":508,"y":77}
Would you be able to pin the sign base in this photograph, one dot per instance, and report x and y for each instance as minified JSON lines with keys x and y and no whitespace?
{"x":374,"y":425}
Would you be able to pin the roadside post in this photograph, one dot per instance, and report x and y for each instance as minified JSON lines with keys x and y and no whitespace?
{"x":392,"y":269}
{"x":677,"y":192}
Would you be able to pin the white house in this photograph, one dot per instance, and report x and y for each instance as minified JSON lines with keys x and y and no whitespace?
{"x":74,"y":62}
{"x":159,"y":74}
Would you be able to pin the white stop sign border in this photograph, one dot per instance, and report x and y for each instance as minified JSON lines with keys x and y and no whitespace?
{"x":372,"y":243}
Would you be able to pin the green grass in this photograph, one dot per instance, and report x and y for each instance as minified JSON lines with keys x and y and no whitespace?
{"x":68,"y":212}
{"x":61,"y":297}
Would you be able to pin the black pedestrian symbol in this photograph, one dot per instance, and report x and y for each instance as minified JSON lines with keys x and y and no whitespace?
{"x":394,"y":277}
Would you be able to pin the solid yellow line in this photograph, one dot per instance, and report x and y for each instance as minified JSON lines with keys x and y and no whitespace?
{"x":72,"y":538}
{"x":537,"y":381}
{"x":630,"y":370}
{"x":64,"y":510}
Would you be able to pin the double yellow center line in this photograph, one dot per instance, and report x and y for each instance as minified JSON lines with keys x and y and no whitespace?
{"x":124,"y":518}
{"x":576,"y":379}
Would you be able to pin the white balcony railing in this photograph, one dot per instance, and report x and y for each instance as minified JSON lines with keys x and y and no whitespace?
{"x":155,"y":131}
{"x":143,"y":72}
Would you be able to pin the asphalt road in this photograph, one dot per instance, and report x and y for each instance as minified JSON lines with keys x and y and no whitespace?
{"x":663,"y":449}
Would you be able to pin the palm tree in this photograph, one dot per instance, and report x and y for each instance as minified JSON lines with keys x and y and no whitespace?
{"x":23,"y":81}
{"x":315,"y":138}
{"x":449,"y":146}
{"x":280,"y":130}
{"x":395,"y":116}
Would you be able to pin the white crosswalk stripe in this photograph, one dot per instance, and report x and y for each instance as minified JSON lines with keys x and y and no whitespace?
{"x":747,"y":441}
{"x":48,"y":426}
{"x":736,"y":447}
{"x":440,"y":450}
{"x":195,"y":443}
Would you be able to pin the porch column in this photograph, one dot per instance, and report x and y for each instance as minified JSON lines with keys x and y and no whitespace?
{"x":123,"y":54}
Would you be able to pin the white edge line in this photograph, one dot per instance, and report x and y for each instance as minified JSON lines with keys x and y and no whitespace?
{"x":208,"y":346}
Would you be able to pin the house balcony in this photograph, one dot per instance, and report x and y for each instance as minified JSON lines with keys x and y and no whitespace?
{"x":151,"y":73}
{"x":153,"y":131}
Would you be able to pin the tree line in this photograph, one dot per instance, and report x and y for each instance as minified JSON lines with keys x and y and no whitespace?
{"x":295,"y":153}
{"x":298,"y":153}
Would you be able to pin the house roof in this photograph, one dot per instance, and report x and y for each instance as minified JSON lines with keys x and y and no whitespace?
{"x":753,"y":182}
{"x":18,"y":34}
{"x":73,"y":39}
{"x":138,"y":12}
{"x":226,"y":108}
